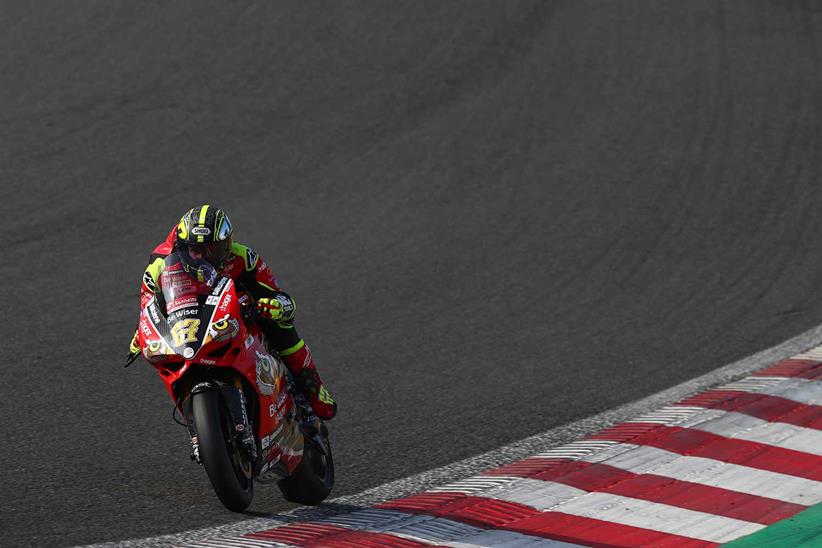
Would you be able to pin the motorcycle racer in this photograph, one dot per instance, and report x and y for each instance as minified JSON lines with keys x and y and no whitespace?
{"x":201,"y":245}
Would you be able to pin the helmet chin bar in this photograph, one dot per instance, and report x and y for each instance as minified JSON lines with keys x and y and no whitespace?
{"x":208,"y":272}
{"x":203,"y":270}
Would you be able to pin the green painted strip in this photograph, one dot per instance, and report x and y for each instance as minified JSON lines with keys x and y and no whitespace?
{"x":803,"y":529}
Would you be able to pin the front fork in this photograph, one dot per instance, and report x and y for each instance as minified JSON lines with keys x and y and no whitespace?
{"x":234,"y":400}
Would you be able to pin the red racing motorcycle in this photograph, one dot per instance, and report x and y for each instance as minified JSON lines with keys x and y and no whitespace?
{"x":246,"y":421}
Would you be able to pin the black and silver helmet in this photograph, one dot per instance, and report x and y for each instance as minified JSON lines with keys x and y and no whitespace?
{"x":204,"y":240}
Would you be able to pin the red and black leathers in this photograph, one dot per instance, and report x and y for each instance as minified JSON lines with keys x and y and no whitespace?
{"x":253,"y":276}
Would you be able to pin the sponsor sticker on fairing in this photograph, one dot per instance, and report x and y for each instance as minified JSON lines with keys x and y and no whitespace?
{"x":219,"y":287}
{"x":155,"y":314}
{"x":144,"y":327}
{"x":175,"y":280}
{"x":267,"y":377}
{"x":212,"y":300}
{"x":183,"y":302}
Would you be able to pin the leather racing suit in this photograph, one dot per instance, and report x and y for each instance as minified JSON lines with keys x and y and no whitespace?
{"x":252,"y":275}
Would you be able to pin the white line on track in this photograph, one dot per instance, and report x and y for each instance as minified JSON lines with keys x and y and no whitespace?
{"x":745,"y":427}
{"x":547,"y":495}
{"x":799,"y":390}
{"x":441,"y":531}
{"x":540,"y":443}
{"x":732,"y":424}
{"x":557,"y":497}
{"x":642,"y":459}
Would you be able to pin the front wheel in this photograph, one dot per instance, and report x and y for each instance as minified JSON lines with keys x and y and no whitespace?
{"x":313,"y":478}
{"x":227,"y":468}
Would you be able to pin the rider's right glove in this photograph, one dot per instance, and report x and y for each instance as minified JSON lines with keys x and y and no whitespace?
{"x":134,"y":347}
{"x":133,"y":350}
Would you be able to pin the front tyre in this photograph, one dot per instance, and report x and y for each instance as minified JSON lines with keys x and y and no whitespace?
{"x":225,"y":464}
{"x":313,"y":478}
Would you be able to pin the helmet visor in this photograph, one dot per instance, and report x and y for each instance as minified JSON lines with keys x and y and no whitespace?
{"x":215,"y":253}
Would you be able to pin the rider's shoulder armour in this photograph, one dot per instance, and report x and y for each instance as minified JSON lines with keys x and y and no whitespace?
{"x":152,"y":274}
{"x":250,"y":258}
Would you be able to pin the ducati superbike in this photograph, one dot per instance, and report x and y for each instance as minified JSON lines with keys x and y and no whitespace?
{"x":246,"y":421}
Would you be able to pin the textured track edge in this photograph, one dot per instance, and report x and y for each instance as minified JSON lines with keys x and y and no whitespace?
{"x":498,"y":457}
{"x":804,"y":529}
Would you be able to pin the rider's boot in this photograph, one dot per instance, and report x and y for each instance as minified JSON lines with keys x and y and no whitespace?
{"x":299,"y":361}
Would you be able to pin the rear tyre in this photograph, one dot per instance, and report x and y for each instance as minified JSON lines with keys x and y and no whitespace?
{"x":229,"y":472}
{"x":313,"y":478}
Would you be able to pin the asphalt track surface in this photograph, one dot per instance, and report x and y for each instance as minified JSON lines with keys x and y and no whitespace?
{"x":496,"y":218}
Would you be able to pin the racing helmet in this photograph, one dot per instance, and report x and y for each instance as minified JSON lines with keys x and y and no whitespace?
{"x":203,"y":241}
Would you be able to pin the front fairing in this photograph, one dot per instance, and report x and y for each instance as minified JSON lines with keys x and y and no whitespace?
{"x":193,"y":319}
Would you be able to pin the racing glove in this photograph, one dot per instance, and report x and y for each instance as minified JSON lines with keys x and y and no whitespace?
{"x":279,"y":309}
{"x":134,"y":347}
{"x":133,"y":350}
{"x":270,"y":309}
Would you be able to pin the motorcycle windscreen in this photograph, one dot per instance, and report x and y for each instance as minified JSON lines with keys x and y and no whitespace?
{"x":189,"y":309}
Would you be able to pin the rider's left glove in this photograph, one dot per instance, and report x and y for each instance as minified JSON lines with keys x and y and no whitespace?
{"x":270,"y":309}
